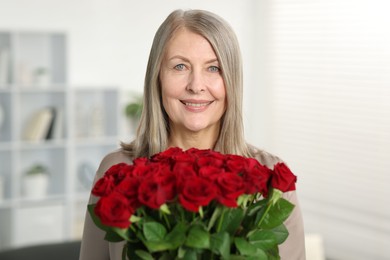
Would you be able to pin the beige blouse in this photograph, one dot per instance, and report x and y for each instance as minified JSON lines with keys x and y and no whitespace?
{"x":94,"y":247}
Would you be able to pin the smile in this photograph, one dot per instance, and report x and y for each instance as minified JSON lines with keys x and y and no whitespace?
{"x":191,"y":104}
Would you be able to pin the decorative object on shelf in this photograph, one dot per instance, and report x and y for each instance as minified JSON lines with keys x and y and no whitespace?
{"x":41,"y":76}
{"x":133,"y":111}
{"x":44,"y":124}
{"x":36,"y":182}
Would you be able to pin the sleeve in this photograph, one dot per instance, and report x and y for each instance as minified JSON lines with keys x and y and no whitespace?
{"x":93,"y":245}
{"x":294,"y":246}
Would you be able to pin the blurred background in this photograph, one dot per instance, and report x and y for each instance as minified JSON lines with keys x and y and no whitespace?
{"x":317,"y":94}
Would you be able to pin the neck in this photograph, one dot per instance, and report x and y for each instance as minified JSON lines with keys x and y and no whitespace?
{"x":204,"y":139}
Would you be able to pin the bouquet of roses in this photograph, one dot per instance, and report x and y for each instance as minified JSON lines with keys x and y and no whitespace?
{"x":194,"y":204}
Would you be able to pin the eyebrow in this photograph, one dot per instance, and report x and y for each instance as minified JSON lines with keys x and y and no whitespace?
{"x":187,"y":60}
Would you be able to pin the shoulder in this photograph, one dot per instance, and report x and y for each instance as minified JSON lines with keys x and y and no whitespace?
{"x":264,"y":157}
{"x":112,"y":158}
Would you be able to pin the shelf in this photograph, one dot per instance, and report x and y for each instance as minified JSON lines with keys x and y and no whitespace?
{"x":87,"y":123}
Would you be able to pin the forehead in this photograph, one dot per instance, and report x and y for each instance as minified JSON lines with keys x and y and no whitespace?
{"x":185,"y":41}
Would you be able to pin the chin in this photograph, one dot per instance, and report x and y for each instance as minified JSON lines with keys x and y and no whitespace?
{"x":198,"y":127}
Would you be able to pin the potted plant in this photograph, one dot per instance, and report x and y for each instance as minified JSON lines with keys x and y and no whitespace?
{"x":42,"y":76}
{"x":36,"y":182}
{"x":133,"y":111}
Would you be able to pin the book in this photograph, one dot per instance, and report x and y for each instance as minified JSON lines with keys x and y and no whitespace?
{"x":38,"y":126}
{"x":56,"y":125}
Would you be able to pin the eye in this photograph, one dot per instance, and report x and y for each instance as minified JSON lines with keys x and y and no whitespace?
{"x":179,"y":67}
{"x":214,"y":69}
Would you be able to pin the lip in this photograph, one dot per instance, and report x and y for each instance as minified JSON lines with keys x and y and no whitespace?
{"x":196,"y":105}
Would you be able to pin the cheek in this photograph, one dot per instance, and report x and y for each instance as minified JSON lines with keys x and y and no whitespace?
{"x":170,"y":85}
{"x":169,"y":95}
{"x":219,"y":91}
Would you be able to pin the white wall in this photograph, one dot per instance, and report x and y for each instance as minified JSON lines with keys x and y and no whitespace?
{"x":328,"y":70}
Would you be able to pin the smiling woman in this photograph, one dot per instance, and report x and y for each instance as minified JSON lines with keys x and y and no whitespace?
{"x":192,"y":99}
{"x":192,"y":89}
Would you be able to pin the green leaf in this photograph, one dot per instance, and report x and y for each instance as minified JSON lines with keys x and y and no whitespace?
{"x":244,"y":247}
{"x":254,"y":208}
{"x":217,"y":212}
{"x":190,"y":254}
{"x":277,"y":214}
{"x":250,"y":251}
{"x":112,"y":236}
{"x":181,"y":252}
{"x":157,"y":246}
{"x":231,"y":220}
{"x":237,"y":257}
{"x":144,"y":255}
{"x":177,"y":236}
{"x":167,"y":255}
{"x":170,"y":241}
{"x":273,"y":254}
{"x":96,"y":220}
{"x":198,"y":237}
{"x":154,"y":231}
{"x":263,"y":239}
{"x":121,"y":232}
{"x":281,"y":233}
{"x":220,"y":244}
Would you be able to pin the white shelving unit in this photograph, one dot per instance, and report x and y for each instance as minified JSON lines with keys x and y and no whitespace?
{"x":32,"y":77}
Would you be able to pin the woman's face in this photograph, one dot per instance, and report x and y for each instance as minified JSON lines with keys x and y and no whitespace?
{"x":193,"y":90}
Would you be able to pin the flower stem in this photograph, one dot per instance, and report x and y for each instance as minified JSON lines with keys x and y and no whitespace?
{"x":166,"y":221}
{"x":124,"y":252}
{"x":269,"y":205}
{"x":221,"y":220}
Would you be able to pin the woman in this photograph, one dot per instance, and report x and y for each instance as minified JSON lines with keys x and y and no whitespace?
{"x":192,"y":98}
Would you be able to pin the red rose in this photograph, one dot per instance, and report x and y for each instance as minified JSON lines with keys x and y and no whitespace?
{"x":184,"y":159}
{"x":231,"y":186}
{"x":167,"y":184}
{"x":104,"y":186}
{"x":213,"y":160}
{"x":256,"y":180}
{"x":183,"y":171}
{"x":210,"y":172}
{"x":282,"y":178}
{"x":196,"y":192}
{"x":140,"y":161}
{"x":115,"y":168}
{"x":167,"y":154}
{"x":152,"y":192}
{"x":114,"y":210}
{"x":152,"y":168}
{"x":119,"y":171}
{"x":236,"y":163}
{"x":129,"y":188}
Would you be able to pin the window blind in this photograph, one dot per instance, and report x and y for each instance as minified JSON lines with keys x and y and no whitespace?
{"x":329,"y":82}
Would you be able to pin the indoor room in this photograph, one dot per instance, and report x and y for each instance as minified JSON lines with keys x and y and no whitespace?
{"x":316,"y":93}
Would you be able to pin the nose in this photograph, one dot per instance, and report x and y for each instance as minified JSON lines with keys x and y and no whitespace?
{"x":196,"y":82}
